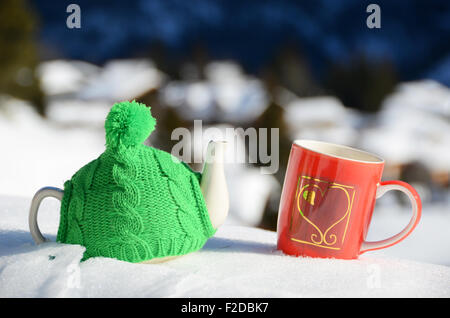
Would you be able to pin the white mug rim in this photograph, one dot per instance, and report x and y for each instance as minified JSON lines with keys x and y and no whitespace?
{"x":352,"y":154}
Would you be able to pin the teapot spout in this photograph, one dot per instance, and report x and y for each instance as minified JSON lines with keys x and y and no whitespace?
{"x":214,"y":185}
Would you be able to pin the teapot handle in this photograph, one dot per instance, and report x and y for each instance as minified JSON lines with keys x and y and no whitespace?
{"x":35,"y":203}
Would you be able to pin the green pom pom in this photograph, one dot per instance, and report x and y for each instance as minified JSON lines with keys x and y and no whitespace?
{"x":128,"y":124}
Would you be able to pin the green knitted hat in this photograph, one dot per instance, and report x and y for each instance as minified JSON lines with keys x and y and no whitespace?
{"x":134,"y":202}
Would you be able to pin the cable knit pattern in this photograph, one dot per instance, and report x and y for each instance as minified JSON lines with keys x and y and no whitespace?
{"x":72,"y":208}
{"x":128,"y":224}
{"x":134,"y":202}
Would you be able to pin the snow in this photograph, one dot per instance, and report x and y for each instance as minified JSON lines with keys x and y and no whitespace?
{"x":73,"y":112}
{"x":37,"y":153}
{"x":325,"y":110}
{"x":244,"y":184}
{"x":239,"y":96}
{"x":89,"y":82}
{"x":64,"y":77}
{"x":123,"y":80}
{"x":321,"y":118}
{"x":412,"y":125}
{"x":415,"y":120}
{"x":237,"y":262}
{"x":430,"y":240}
{"x":226,"y":92}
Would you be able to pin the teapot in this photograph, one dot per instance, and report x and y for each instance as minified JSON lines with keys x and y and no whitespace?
{"x":137,"y":203}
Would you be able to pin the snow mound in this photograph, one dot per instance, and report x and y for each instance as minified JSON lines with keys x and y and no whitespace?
{"x":122,"y":80}
{"x":236,"y":262}
{"x":226,"y":93}
{"x":37,"y":153}
{"x":64,"y":77}
{"x":322,"y":118}
{"x":413,"y":125}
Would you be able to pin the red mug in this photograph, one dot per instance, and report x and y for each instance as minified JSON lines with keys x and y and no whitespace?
{"x":327,"y":201}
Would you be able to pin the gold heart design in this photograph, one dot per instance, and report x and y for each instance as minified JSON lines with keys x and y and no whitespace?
{"x":308,"y":193}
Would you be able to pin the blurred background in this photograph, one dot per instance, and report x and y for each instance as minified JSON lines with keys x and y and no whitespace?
{"x":313,"y":69}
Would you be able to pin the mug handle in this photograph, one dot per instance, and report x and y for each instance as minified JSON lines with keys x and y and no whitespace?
{"x":35,"y":203}
{"x":384,"y":187}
